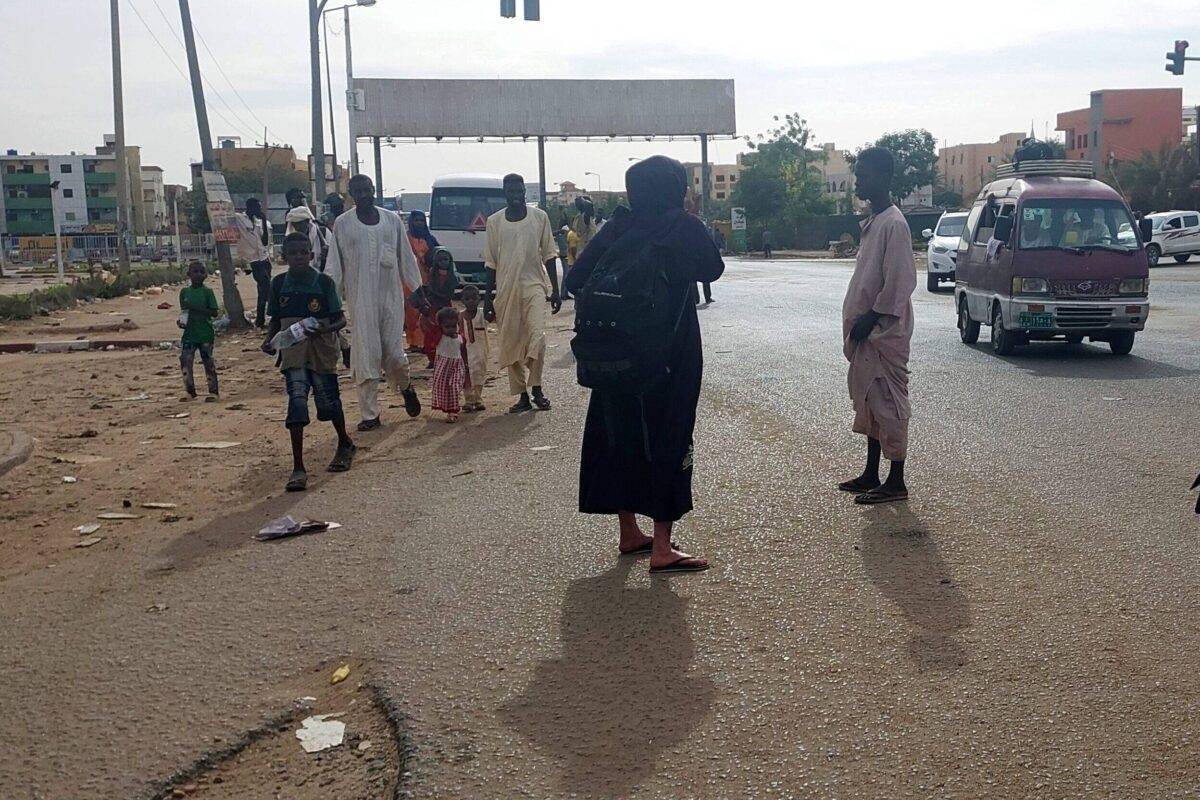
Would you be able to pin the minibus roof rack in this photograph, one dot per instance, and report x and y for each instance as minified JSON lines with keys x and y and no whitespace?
{"x":1061,"y":168}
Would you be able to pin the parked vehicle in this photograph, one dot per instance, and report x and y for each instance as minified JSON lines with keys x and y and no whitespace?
{"x":943,"y":248}
{"x":458,"y":211}
{"x":1176,"y":234}
{"x":1047,"y":252}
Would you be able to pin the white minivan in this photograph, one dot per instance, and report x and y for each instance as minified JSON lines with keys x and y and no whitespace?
{"x":1176,"y":234}
{"x":458,"y":212}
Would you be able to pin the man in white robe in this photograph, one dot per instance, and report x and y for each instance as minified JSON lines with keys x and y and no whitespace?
{"x":520,"y":256}
{"x":372,"y":262}
{"x":877,"y":328}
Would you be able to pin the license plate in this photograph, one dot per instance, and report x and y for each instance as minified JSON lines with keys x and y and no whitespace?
{"x":1027,"y":320}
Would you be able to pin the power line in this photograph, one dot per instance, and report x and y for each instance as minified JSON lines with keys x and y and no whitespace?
{"x":207,"y":82}
{"x":220,"y":69}
{"x":175,"y":64}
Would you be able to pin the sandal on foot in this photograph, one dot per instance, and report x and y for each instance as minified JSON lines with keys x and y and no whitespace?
{"x":369,"y":424}
{"x":521,"y":407}
{"x":298,"y":482}
{"x":542,"y":402}
{"x":681,"y":564}
{"x":881,"y":495}
{"x":646,"y":548}
{"x":858,"y":486}
{"x":342,"y":459}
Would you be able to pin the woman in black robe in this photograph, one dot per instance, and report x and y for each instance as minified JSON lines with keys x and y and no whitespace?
{"x":637,"y":450}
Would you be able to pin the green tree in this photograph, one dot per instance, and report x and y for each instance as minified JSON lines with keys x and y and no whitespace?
{"x":915,"y":151}
{"x":279,"y":179}
{"x":1158,"y":181}
{"x":782,"y":180}
{"x":196,"y":204}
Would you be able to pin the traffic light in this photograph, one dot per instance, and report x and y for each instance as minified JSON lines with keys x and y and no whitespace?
{"x":1177,"y":57}
{"x":508,"y":8}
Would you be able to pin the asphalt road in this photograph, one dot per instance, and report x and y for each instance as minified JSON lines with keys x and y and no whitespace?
{"x":1026,"y":626}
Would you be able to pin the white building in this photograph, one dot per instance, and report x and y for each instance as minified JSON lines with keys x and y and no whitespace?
{"x":154,"y":199}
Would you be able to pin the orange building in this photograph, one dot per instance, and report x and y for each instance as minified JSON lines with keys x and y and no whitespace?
{"x":1122,"y":124}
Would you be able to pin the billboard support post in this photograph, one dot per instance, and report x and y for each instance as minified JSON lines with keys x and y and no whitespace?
{"x":378,"y":170}
{"x":703,"y":175}
{"x":542,"y":172}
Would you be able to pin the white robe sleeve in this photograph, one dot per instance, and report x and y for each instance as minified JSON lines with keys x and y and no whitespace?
{"x":490,"y":256}
{"x":334,"y":266}
{"x":410,"y":274}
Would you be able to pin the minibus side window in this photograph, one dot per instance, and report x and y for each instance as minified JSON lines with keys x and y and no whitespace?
{"x":968,"y":234}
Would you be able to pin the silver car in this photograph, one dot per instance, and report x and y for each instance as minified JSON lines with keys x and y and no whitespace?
{"x":943,"y":248}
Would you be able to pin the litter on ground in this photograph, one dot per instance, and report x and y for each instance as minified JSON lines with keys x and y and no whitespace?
{"x":88,"y":542}
{"x":287,"y":526}
{"x":340,"y":674}
{"x":117,"y":515}
{"x":319,"y":733}
{"x":164,"y":506}
{"x":206,"y":445}
{"x":86,"y":528}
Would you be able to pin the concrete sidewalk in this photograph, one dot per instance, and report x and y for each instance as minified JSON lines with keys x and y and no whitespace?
{"x":15,"y":448}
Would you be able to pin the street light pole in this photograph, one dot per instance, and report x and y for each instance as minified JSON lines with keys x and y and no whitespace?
{"x":350,"y":104}
{"x":329,"y":93}
{"x":318,"y":116}
{"x":120,"y":164}
{"x":596,"y":175}
{"x":54,"y":208}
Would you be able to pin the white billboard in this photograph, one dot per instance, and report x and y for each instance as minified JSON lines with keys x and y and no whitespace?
{"x":429,"y":109}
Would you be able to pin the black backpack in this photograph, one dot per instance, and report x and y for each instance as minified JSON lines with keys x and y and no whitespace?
{"x":626,"y":318}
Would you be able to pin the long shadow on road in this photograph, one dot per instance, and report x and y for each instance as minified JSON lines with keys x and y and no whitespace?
{"x":621,"y":694}
{"x":901,"y":558}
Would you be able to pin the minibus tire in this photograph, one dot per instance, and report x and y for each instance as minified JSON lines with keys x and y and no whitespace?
{"x":1121,"y":342}
{"x":1153,"y":254}
{"x":1003,"y":342}
{"x":968,"y":329}
{"x":1182,"y":259}
{"x":931,"y":282}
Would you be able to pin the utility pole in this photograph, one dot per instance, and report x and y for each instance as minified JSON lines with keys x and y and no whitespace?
{"x":178,"y":240}
{"x":351,"y":97}
{"x":120,"y":163}
{"x":703,"y":175}
{"x":229,"y":290}
{"x":329,"y":92}
{"x":318,"y":116}
{"x":54,"y":209}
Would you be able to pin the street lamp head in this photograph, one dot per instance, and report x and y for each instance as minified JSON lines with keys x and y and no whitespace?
{"x":365,"y":2}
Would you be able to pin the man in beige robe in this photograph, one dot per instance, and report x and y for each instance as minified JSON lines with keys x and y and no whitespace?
{"x":877,"y":327}
{"x":520,"y":255}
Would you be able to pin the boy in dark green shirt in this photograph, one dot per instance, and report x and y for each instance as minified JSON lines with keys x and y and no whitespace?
{"x":309,"y":365}
{"x":200,"y":305}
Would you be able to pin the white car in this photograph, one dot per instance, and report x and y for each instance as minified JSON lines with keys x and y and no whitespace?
{"x":943,"y":248}
{"x":1176,"y":234}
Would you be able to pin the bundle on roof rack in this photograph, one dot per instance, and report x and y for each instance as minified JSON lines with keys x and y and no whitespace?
{"x":1062,"y":168}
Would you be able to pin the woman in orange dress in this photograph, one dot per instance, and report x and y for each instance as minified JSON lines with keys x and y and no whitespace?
{"x":423,"y":245}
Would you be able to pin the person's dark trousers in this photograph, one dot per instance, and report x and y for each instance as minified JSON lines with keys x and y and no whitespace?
{"x":563,"y":281}
{"x":261,"y":270}
{"x":707,"y":292}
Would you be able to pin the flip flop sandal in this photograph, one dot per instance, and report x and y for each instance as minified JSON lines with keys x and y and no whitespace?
{"x":646,"y":548}
{"x":521,"y":408}
{"x":342,"y":459}
{"x":369,"y":424}
{"x":875,"y":497}
{"x":857,"y":488}
{"x":685,"y":564}
{"x":542,"y":402}
{"x":298,"y":482}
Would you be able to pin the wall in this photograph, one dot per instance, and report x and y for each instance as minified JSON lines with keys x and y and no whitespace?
{"x":69,"y":212}
{"x":1122,"y":124}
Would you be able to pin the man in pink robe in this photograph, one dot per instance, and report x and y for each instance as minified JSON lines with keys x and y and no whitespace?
{"x":877,"y":327}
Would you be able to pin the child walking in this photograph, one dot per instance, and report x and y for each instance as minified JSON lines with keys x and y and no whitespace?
{"x":439,"y":292}
{"x":473,"y":329}
{"x":198,"y":307}
{"x":309,"y":298}
{"x":449,"y":369}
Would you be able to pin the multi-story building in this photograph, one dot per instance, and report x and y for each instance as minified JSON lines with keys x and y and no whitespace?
{"x":85,"y":200}
{"x":966,"y":168}
{"x":154,"y":199}
{"x":230,"y":156}
{"x":837,"y":179}
{"x":1122,"y":124}
{"x":722,"y":179}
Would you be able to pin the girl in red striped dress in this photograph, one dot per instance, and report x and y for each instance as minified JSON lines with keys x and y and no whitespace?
{"x":449,"y":369}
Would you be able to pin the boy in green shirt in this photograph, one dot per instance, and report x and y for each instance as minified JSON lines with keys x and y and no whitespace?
{"x":200,"y":305}
{"x":309,"y":365}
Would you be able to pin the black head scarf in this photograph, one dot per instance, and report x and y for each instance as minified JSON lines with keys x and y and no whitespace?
{"x":655,"y":186}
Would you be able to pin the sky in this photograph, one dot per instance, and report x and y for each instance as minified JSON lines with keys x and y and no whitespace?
{"x":965,"y":71}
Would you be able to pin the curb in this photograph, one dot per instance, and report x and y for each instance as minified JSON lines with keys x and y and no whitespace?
{"x":75,"y":345}
{"x":18,"y":452}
